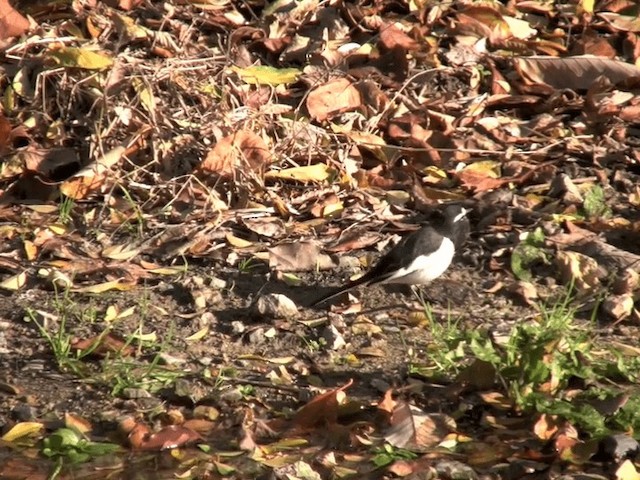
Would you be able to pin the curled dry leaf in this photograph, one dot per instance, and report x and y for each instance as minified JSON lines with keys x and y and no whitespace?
{"x":577,"y":73}
{"x":322,"y":409}
{"x":391,"y":37}
{"x":298,"y":257}
{"x":241,"y":150}
{"x":415,"y":429}
{"x":578,"y":268}
{"x":334,"y":97}
{"x":92,"y":177}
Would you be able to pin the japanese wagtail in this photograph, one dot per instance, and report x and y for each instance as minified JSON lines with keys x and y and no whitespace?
{"x":418,"y":258}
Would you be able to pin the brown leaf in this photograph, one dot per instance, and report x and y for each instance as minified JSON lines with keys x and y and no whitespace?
{"x":391,"y":36}
{"x":92,"y":177}
{"x":334,"y":97}
{"x":12,"y":23}
{"x":547,"y":426}
{"x":298,"y":257}
{"x":241,"y":150}
{"x":576,"y":73}
{"x":322,"y":409}
{"x":5,"y":134}
{"x":137,"y":433}
{"x":479,"y":181}
{"x":172,"y":436}
{"x":411,"y":427}
{"x":355,"y":240}
{"x":79,"y":424}
{"x":578,"y":268}
{"x":102,"y":345}
{"x":200,"y":425}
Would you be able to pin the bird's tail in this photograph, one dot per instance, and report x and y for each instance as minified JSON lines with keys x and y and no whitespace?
{"x":340,"y":290}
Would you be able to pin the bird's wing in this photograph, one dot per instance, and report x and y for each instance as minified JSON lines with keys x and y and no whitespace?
{"x":402,"y":255}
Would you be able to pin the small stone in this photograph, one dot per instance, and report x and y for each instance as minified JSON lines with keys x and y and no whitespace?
{"x":334,"y":339}
{"x":207,"y":319}
{"x":135,"y":393}
{"x":237,"y":327}
{"x":256,"y":336}
{"x":206,"y":361}
{"x":275,"y":305}
{"x":618,"y":307}
{"x":232,"y":396}
{"x":563,"y":186}
{"x":626,"y":282}
{"x":167,"y":359}
{"x":217,"y":283}
{"x":454,"y":470}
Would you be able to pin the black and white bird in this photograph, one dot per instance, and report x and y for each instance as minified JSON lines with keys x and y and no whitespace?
{"x":418,"y":258}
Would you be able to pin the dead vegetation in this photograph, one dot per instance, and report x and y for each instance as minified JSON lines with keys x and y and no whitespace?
{"x":166,"y":165}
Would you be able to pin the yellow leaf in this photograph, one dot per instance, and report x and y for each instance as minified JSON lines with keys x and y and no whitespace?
{"x":489,"y":168}
{"x":237,"y":241}
{"x":30,"y":250}
{"x":81,"y":58}
{"x":22,"y":429}
{"x":58,"y":229}
{"x":318,"y":172}
{"x":113,"y":313}
{"x":146,"y":95}
{"x":199,"y":335}
{"x":42,"y":208}
{"x":587,"y":5}
{"x":120,"y":252}
{"x":167,"y":270}
{"x":627,"y":471}
{"x":15,"y":282}
{"x":265,"y":75}
{"x":106,"y":286}
{"x":145,"y":337}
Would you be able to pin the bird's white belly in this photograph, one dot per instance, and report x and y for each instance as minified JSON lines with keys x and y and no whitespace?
{"x":425,"y":268}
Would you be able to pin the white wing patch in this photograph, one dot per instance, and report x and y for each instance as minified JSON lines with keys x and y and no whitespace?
{"x":425,"y":268}
{"x":461,"y":215}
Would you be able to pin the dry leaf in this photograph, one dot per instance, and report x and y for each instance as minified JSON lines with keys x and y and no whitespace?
{"x":243,"y":150}
{"x":576,"y":73}
{"x":322,"y":409}
{"x":12,"y":23}
{"x":318,"y":172}
{"x":91,"y":178}
{"x":332,"y":98}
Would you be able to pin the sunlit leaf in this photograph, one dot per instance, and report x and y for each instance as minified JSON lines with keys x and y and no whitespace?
{"x":21,"y":430}
{"x":81,"y":58}
{"x":265,"y":75}
{"x":318,"y":172}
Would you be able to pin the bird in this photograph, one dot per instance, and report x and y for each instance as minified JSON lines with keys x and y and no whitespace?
{"x":419,"y":257}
